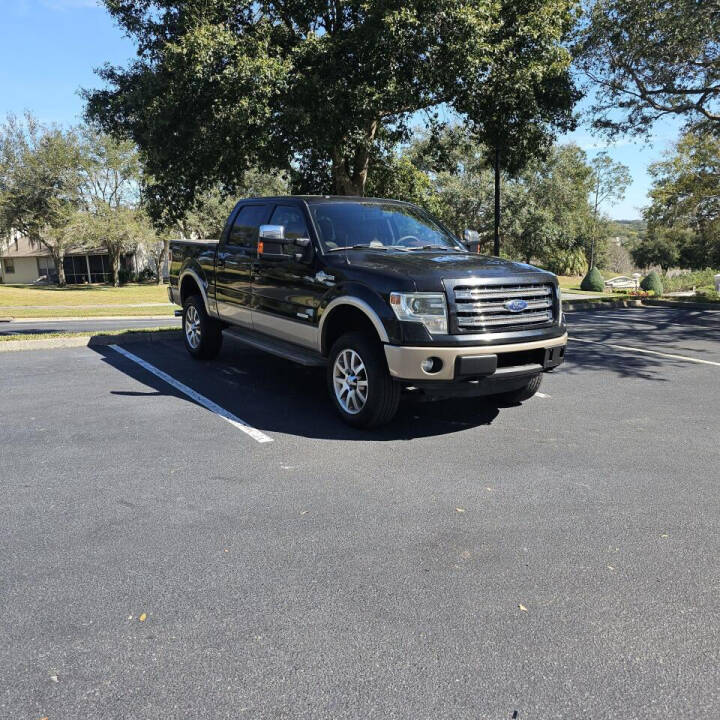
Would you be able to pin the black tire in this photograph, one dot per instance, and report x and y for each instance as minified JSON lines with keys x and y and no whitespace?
{"x":382,"y":392}
{"x":205,"y":343}
{"x":523,"y":393}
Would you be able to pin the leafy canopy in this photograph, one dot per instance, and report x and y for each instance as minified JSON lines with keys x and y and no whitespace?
{"x":220,"y":86}
{"x":651,"y":58}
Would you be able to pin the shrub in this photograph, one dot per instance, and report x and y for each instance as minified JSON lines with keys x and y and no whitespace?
{"x":652,"y":282}
{"x":689,"y":280}
{"x":593,"y":281}
{"x":566,"y":262}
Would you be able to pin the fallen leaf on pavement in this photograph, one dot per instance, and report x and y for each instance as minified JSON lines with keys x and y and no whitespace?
{"x":522,"y":607}
{"x":142,"y":617}
{"x":459,"y":509}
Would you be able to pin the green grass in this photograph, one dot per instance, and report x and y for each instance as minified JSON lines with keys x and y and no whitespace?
{"x":571,"y":284}
{"x":82,"y":300}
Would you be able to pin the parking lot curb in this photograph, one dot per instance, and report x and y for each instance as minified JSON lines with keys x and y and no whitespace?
{"x":84,"y":318}
{"x":681,"y":304}
{"x":89,"y":340}
{"x":600,"y":304}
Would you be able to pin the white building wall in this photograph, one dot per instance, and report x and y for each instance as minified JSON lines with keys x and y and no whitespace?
{"x":26,"y":272}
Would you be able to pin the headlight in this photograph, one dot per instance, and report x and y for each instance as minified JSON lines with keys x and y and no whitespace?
{"x":427,"y":308}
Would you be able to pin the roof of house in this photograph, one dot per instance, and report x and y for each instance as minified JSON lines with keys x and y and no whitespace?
{"x":22,"y":247}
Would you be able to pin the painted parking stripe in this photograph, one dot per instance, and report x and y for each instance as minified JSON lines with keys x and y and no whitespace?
{"x":649,"y":352}
{"x":254,"y":433}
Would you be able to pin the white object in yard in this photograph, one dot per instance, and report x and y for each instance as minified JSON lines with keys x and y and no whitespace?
{"x":717,"y":283}
{"x":622,"y":281}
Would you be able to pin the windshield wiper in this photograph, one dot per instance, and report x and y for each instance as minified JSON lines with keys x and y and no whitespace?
{"x":434,"y":247}
{"x":358,"y":247}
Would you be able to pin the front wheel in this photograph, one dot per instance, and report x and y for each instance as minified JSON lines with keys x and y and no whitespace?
{"x":202,"y":334}
{"x":359,"y":383}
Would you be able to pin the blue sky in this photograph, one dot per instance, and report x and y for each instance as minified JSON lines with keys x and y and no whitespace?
{"x":49,"y":49}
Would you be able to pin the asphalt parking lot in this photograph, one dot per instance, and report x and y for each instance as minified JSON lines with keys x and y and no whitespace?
{"x":557,"y":559}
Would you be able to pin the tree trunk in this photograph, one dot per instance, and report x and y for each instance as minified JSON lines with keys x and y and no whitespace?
{"x":116,"y":268}
{"x":161,"y":259}
{"x":58,"y":256}
{"x":496,"y":235}
{"x":350,"y":173}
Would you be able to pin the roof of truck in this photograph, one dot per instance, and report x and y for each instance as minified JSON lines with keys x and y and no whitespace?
{"x":328,"y":198}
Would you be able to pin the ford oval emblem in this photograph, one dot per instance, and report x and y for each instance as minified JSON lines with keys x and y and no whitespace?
{"x":516,"y":305}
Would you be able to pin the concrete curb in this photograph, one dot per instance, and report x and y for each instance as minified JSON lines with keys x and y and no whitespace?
{"x":680,"y":304}
{"x":601,"y":304}
{"x":84,"y":318}
{"x":89,"y":340}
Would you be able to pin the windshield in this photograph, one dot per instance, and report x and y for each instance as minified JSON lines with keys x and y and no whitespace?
{"x":380,"y":225}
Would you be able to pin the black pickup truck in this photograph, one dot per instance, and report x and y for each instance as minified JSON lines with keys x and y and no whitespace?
{"x":378,"y":292}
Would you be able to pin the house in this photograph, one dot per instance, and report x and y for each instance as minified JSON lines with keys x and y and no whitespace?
{"x":24,"y":263}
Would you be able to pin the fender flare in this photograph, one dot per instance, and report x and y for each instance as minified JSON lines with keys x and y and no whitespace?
{"x":198,"y":281}
{"x":361,"y":305}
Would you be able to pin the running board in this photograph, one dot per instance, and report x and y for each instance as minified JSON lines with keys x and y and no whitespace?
{"x":274,"y":346}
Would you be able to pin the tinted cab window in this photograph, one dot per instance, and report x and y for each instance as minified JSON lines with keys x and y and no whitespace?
{"x":244,"y":231}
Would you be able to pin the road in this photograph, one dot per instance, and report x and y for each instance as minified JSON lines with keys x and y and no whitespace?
{"x":557,"y":559}
{"x":88,"y":325}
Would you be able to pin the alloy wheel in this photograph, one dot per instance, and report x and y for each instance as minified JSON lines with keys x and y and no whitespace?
{"x":350,"y":381}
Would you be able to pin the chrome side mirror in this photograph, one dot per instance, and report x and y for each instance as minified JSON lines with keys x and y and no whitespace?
{"x":274,"y":233}
{"x":471,"y":239}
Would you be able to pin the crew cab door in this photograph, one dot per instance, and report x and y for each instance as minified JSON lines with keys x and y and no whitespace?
{"x":286,"y":287}
{"x":236,"y":256}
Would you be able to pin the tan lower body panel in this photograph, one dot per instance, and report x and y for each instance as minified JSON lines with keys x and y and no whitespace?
{"x":405,"y":362}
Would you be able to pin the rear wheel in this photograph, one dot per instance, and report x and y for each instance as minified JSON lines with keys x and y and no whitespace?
{"x":202,"y":334}
{"x":359,"y":383}
{"x":523,"y":393}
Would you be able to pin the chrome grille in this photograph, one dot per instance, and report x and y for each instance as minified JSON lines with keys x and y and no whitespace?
{"x":480,"y":308}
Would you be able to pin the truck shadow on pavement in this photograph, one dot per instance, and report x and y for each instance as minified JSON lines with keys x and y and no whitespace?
{"x":277,"y":396}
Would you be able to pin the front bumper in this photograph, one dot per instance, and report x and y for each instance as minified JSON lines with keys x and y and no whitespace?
{"x":486,"y":361}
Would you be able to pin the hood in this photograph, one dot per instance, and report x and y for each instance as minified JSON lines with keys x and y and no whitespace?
{"x":428,"y":268}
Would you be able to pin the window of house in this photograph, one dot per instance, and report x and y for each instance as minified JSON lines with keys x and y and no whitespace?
{"x":9,"y":265}
{"x":245,"y":228}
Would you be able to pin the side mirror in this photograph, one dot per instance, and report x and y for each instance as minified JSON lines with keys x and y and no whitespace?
{"x":273,"y":245}
{"x":271,"y":239}
{"x":471,"y":239}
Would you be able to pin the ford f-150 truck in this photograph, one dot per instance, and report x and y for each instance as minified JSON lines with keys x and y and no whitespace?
{"x":377,"y":291}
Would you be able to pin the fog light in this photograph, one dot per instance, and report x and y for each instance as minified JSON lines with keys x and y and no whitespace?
{"x":431,"y":365}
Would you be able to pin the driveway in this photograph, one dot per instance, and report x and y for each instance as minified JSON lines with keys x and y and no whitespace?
{"x":558,"y":559}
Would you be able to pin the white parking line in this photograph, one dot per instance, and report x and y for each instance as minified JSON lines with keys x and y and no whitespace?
{"x":648,"y":352}
{"x":254,"y":433}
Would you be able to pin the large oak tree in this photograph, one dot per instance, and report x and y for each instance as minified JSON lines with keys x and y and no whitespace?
{"x":219,"y":86}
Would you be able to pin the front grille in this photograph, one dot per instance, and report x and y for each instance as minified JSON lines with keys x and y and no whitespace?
{"x":484,"y":308}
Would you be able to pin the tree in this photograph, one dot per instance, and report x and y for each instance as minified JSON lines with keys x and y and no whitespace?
{"x":111,"y":180}
{"x":527,"y":97}
{"x":40,"y":185}
{"x":609,"y":180}
{"x":652,"y":58}
{"x":685,"y":196}
{"x":220,"y":86}
{"x":657,"y":248}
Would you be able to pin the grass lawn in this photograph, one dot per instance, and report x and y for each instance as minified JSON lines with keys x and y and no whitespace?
{"x":83,"y":300}
{"x":571,"y":283}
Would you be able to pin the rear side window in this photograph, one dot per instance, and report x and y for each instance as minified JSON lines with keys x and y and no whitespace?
{"x":292,"y":219}
{"x":247,"y":222}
